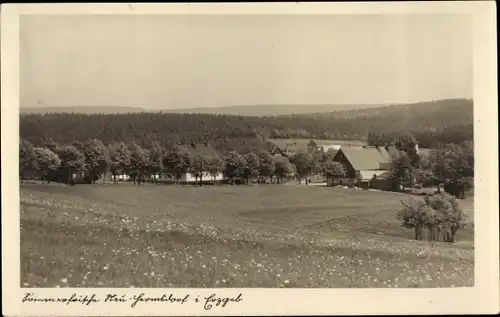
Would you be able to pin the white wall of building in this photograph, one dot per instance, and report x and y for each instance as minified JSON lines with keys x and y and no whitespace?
{"x":189,"y":177}
{"x":122,"y":177}
{"x":333,"y":147}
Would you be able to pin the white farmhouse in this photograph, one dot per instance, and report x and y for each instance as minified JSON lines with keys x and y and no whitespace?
{"x":197,"y":150}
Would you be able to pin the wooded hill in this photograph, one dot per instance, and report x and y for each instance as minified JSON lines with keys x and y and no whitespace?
{"x":432,"y":123}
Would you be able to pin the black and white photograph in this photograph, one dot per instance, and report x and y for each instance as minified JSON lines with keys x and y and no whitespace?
{"x":248,"y":151}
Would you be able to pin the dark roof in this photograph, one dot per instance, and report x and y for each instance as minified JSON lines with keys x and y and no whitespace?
{"x":367,"y":158}
{"x":202,"y":149}
{"x":393,"y":151}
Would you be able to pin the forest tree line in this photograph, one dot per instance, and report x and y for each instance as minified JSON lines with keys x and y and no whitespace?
{"x":434,"y":125}
{"x":60,"y":162}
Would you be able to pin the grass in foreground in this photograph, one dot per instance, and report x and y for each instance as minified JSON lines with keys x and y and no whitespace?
{"x":224,"y":236}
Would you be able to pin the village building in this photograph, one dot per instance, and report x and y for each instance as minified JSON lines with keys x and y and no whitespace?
{"x":194,"y":150}
{"x":366,"y":167}
{"x":107,"y":177}
{"x":200,"y":150}
{"x":292,"y":148}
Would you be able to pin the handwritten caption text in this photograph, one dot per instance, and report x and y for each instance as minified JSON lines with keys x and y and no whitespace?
{"x":208,"y":302}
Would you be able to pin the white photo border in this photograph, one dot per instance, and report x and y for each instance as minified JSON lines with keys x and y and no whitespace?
{"x":482,"y":298}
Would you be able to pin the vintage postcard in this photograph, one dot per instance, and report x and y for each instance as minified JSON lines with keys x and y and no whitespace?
{"x":249,"y":159}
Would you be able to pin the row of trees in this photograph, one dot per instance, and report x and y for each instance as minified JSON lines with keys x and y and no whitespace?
{"x":448,"y":168}
{"x":93,"y":159}
{"x":61,"y":162}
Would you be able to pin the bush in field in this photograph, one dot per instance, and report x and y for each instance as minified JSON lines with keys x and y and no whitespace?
{"x":438,"y":216}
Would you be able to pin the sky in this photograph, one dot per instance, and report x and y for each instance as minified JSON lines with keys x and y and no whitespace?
{"x":184,"y":61}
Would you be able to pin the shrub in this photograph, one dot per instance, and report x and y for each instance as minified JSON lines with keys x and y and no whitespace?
{"x":438,"y":216}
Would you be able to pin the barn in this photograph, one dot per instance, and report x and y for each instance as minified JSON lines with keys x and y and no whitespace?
{"x":366,"y":167}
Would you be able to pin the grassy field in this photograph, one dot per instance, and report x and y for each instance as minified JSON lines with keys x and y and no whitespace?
{"x":229,"y":236}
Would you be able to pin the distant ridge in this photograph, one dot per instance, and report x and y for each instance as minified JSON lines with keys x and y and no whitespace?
{"x":81,"y":109}
{"x":317,"y":110}
{"x":274,"y":109}
{"x":243,"y":110}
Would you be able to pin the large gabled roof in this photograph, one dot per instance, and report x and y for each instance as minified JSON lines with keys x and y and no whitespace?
{"x":367,"y":158}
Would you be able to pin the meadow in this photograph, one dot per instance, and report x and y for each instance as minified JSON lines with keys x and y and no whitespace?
{"x":107,"y":235}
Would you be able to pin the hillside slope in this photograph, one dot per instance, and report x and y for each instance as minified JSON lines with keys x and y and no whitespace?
{"x":233,"y":132}
{"x":458,"y":110}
